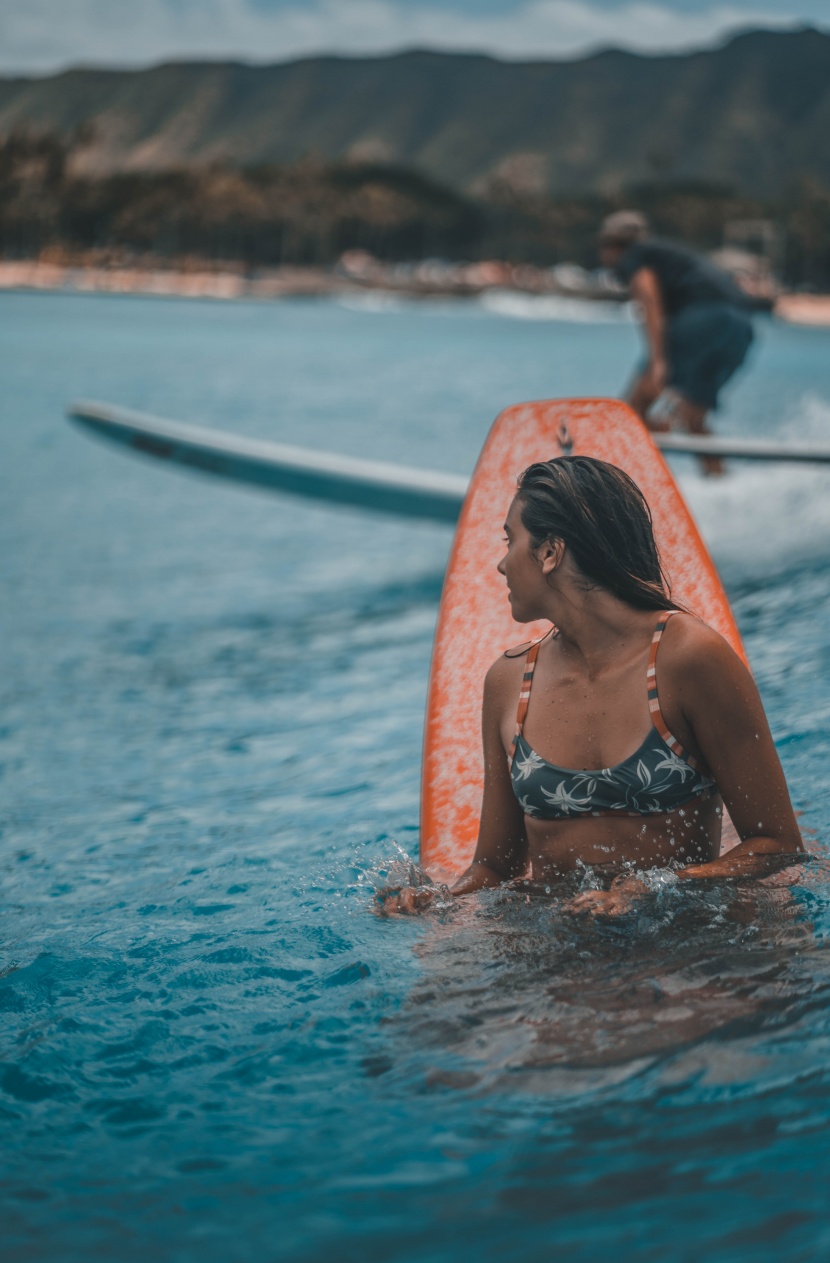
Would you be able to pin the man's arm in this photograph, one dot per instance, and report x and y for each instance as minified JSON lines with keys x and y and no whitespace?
{"x":644,"y":288}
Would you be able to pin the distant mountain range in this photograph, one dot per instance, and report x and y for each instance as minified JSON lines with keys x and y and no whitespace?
{"x":753,"y":116}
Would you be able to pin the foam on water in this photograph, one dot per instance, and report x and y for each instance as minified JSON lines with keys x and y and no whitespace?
{"x":555,"y":307}
{"x":399,"y":302}
{"x":764,"y":517}
{"x":377,"y":301}
{"x":506,"y":303}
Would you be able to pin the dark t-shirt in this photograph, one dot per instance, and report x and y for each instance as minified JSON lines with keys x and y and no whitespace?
{"x":684,"y":277}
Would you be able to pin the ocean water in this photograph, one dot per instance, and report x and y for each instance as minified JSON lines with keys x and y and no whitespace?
{"x":211,"y":1049}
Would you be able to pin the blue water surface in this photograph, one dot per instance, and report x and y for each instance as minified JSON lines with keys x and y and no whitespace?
{"x":212,"y":704}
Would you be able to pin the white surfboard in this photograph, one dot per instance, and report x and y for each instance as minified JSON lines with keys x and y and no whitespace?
{"x":299,"y":471}
{"x":397,"y":489}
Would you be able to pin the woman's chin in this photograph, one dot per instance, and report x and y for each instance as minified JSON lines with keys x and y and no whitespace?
{"x":519,"y":615}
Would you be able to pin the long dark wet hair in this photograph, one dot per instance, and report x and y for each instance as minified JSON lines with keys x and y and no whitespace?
{"x":602,"y":517}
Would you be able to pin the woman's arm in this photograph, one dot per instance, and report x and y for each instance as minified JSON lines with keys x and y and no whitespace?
{"x":722,"y":706}
{"x":501,"y":851}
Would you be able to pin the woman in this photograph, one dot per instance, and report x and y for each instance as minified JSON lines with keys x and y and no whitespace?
{"x":617,"y":739}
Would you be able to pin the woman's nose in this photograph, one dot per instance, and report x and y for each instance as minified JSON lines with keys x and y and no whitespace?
{"x":500,"y":566}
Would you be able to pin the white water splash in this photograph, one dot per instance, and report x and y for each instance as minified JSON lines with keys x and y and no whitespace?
{"x":495,"y":302}
{"x":503,"y":302}
{"x":379,"y":302}
{"x":767,"y":515}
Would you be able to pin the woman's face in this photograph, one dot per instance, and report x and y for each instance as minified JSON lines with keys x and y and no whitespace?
{"x":523,"y":568}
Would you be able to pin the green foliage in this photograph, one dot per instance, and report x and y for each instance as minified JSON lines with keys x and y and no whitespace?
{"x":423,"y":154}
{"x":309,"y":212}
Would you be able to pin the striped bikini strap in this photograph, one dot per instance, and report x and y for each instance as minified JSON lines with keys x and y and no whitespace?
{"x":524,"y":696}
{"x":654,"y":701}
{"x":660,"y":627}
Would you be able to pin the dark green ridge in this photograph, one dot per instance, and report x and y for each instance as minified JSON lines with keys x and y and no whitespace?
{"x":753,"y":115}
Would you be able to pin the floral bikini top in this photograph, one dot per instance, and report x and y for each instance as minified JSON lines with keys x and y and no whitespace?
{"x":660,"y":777}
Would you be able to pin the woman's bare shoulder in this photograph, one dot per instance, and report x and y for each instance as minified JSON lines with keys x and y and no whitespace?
{"x":695,"y":649}
{"x":505,"y":674}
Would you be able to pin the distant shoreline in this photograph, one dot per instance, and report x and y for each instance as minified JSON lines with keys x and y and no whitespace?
{"x":35,"y":274}
{"x":297,"y":282}
{"x":357,"y":273}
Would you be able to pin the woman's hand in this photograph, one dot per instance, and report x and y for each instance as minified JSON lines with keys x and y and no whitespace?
{"x":615,"y":902}
{"x":408,"y":901}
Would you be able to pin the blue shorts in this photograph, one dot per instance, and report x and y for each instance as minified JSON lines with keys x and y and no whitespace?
{"x":705,"y":344}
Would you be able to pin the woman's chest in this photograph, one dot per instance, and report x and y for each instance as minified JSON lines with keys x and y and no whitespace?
{"x":587,"y":724}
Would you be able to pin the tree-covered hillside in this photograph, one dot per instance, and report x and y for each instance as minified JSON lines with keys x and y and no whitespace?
{"x":753,"y":116}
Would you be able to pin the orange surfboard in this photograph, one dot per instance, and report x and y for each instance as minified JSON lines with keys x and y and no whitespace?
{"x":474,"y":621}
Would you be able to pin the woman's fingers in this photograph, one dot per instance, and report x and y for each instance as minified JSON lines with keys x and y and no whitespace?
{"x":589,"y":901}
{"x":408,"y":901}
{"x":606,"y":903}
{"x":414,"y":899}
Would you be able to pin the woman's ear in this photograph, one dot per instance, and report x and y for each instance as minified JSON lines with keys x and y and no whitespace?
{"x":550,"y":555}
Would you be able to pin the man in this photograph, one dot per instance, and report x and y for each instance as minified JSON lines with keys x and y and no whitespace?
{"x":696,"y":323}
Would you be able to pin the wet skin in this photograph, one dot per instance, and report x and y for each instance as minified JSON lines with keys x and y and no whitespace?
{"x":588,"y":710}
{"x":586,"y":724}
{"x":585,"y":715}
